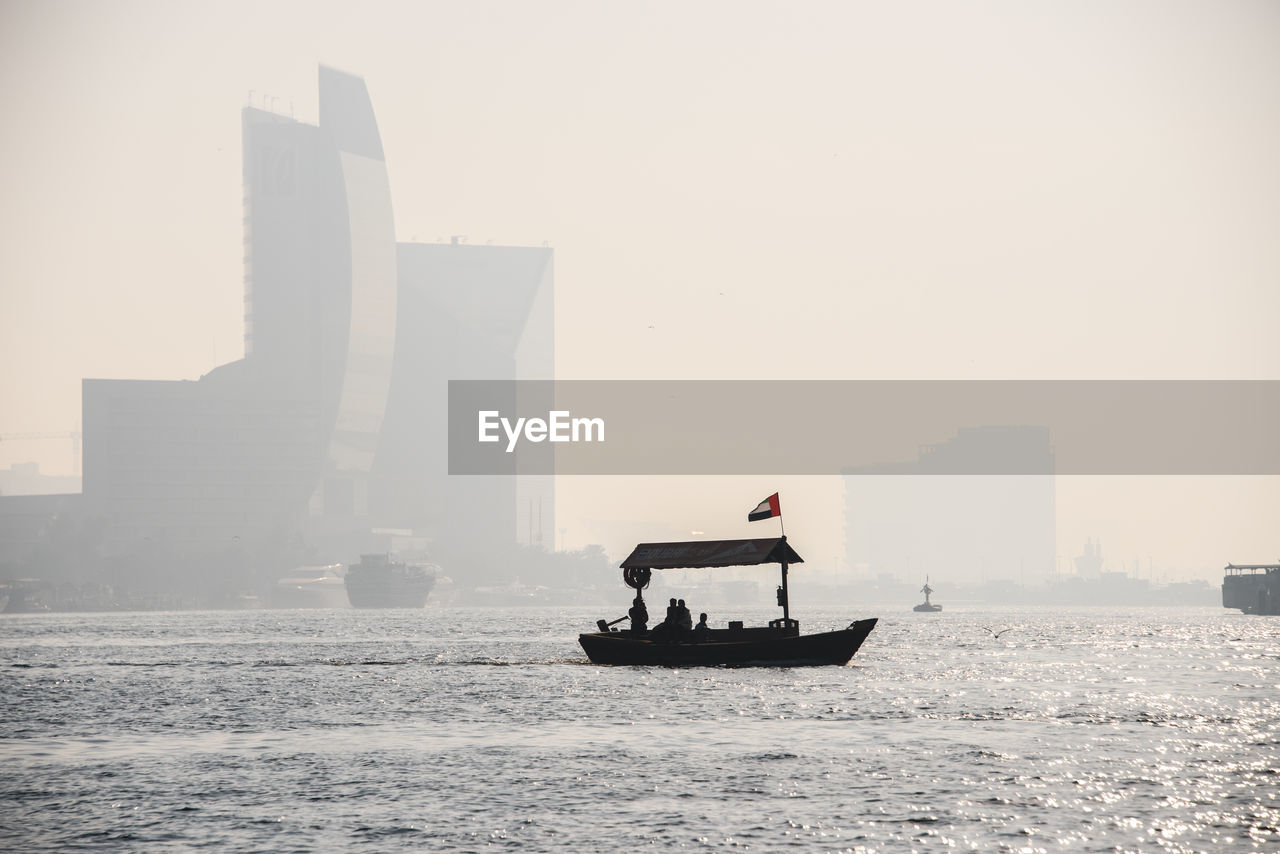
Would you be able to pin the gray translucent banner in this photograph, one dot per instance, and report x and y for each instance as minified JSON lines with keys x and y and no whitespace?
{"x":819,"y":427}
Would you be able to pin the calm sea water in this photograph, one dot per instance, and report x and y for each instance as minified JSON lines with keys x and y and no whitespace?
{"x":457,"y":729}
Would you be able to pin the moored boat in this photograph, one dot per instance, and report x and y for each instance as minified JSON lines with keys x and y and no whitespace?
{"x":779,"y":644}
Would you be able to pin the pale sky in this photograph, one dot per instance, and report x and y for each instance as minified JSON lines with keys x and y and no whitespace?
{"x":1056,"y":190}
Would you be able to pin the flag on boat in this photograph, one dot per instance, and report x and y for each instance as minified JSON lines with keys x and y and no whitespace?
{"x":766,"y":509}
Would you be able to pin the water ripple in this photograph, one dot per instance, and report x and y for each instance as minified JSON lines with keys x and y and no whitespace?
{"x":1084,"y":730}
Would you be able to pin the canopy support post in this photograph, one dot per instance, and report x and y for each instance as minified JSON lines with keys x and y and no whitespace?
{"x":786,"y":600}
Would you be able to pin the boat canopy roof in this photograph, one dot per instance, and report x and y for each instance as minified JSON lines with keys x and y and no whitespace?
{"x":711,"y":553}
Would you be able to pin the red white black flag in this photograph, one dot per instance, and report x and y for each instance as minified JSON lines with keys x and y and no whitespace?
{"x":766,"y":509}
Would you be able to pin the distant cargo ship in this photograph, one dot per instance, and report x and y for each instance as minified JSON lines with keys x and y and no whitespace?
{"x":378,"y":582}
{"x":1253,"y":588}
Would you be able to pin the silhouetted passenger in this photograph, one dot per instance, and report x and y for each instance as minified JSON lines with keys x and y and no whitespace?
{"x":701,"y":631}
{"x":666,"y":630}
{"x":684,"y":620}
{"x":639,"y":615}
{"x":670,"y":628}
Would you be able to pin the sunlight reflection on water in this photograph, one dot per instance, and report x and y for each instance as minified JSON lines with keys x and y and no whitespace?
{"x":1085,"y":729}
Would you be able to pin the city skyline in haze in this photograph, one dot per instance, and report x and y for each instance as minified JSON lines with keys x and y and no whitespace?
{"x":857,"y":191}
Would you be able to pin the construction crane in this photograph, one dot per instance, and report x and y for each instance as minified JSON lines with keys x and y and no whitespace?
{"x":75,"y":436}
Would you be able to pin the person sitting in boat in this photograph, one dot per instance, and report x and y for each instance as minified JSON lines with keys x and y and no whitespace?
{"x":702,"y":631}
{"x":639,"y":615}
{"x":666,"y":630}
{"x":684,"y":620}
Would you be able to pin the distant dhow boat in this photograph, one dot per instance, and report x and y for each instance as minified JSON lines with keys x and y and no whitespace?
{"x":779,"y":644}
{"x":926,"y":606}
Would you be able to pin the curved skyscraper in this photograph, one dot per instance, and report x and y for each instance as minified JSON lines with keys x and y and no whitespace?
{"x":371,"y":333}
{"x":320,"y":273}
{"x":330,"y":429}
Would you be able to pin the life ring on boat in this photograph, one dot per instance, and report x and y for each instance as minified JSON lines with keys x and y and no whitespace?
{"x":637,"y":577}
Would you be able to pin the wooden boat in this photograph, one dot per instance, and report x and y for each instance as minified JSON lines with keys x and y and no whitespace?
{"x":779,"y":644}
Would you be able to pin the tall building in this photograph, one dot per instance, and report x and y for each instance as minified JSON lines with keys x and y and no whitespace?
{"x":466,"y":313}
{"x":331,"y":428}
{"x":320,"y":274}
{"x":933,"y":516}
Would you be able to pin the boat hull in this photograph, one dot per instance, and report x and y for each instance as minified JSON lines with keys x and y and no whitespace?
{"x":389,"y":593}
{"x":1251,"y":591}
{"x":377,"y":582}
{"x":778,"y":650}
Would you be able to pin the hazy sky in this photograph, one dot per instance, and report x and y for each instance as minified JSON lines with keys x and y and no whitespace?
{"x":780,"y":190}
